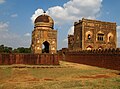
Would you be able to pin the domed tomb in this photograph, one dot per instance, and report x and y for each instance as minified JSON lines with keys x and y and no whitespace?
{"x":44,"y":37}
{"x":44,"y":20}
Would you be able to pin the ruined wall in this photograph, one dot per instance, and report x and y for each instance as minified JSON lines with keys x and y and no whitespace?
{"x":101,"y":58}
{"x":32,"y":59}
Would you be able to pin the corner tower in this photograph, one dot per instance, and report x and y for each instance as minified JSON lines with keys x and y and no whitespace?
{"x":44,"y":37}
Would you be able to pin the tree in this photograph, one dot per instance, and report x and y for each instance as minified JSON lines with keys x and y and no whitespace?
{"x":5,"y":49}
{"x":22,"y":50}
{"x":1,"y":48}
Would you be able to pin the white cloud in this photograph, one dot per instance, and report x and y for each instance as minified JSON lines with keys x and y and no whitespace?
{"x":3,"y":26}
{"x":65,"y":40}
{"x":12,"y":39}
{"x":118,"y":31}
{"x":71,"y":31}
{"x":118,"y":36}
{"x":36,"y":14}
{"x":2,"y":1}
{"x":27,"y":34}
{"x":118,"y":27}
{"x":72,"y":11}
{"x":14,"y":15}
{"x":64,"y":16}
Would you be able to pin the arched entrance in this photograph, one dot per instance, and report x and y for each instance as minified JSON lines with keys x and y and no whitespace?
{"x":45,"y":47}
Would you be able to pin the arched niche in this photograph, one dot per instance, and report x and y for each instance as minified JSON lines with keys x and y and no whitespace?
{"x":88,"y":35}
{"x":110,"y":37}
{"x":89,"y":47}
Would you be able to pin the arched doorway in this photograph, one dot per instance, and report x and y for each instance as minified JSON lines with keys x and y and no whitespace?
{"x":45,"y":47}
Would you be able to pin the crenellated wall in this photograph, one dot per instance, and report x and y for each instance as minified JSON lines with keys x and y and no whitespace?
{"x":109,"y":58}
{"x":32,"y":59}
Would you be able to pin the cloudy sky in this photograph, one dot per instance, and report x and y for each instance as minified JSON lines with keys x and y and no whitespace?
{"x":17,"y":17}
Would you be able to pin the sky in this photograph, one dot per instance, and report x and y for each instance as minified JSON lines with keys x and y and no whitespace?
{"x":17,"y":18}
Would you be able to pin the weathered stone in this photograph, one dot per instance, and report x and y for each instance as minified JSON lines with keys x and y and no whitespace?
{"x":92,"y":34}
{"x":32,"y":59}
{"x":44,"y":35}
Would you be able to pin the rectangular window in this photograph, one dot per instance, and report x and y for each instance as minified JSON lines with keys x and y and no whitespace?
{"x":100,"y":37}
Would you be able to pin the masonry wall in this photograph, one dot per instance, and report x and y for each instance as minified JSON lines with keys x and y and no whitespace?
{"x":93,"y":34}
{"x":107,"y":59}
{"x":32,"y":59}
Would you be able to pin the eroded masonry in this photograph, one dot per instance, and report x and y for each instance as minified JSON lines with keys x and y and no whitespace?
{"x":92,"y":34}
{"x":44,"y":37}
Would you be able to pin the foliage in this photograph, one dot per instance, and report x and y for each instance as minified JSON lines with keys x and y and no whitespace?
{"x":5,"y":49}
{"x":22,"y":50}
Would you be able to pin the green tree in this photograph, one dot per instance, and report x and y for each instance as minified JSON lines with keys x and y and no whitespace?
{"x":22,"y":50}
{"x":1,"y":48}
{"x":5,"y":49}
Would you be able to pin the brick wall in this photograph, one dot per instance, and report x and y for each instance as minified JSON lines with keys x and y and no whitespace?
{"x":33,"y":59}
{"x":107,"y":59}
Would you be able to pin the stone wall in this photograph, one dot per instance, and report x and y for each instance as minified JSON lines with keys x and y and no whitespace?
{"x":101,"y":58}
{"x":32,"y":59}
{"x":93,"y":34}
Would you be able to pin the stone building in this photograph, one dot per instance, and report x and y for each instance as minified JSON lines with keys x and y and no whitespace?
{"x":92,"y":34}
{"x":44,"y":37}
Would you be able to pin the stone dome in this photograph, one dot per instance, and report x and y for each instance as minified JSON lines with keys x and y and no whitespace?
{"x":44,"y":21}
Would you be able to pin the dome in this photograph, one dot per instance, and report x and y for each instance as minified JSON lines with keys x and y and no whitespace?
{"x":44,"y":20}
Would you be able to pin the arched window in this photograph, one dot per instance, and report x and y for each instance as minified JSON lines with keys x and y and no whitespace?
{"x":89,"y":36}
{"x":110,"y":37}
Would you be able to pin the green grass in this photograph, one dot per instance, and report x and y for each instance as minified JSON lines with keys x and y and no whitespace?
{"x":65,"y":76}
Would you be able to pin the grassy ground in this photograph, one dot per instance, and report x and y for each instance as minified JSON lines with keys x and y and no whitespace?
{"x":65,"y":76}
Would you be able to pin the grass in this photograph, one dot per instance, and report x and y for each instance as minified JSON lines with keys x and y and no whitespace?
{"x":65,"y":76}
{"x":5,"y":73}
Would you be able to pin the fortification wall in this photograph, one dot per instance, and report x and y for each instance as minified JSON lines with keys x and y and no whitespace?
{"x":32,"y":59}
{"x":101,"y":58}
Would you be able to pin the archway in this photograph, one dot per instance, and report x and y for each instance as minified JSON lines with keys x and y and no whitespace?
{"x":89,"y":47}
{"x":100,"y":48}
{"x":45,"y":47}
